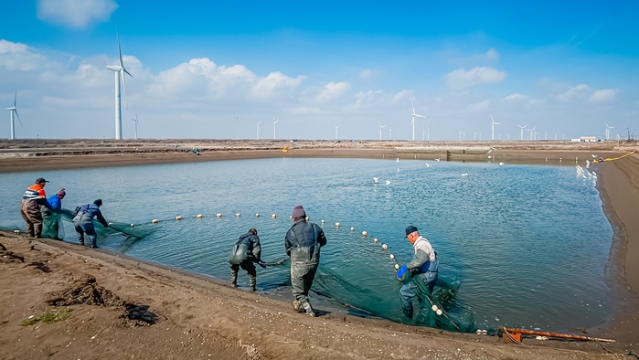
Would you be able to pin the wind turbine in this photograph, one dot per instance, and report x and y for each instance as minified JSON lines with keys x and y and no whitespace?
{"x":390,"y":134}
{"x":460,"y":135}
{"x":414,"y":115}
{"x":521,"y":135}
{"x":119,"y":71}
{"x":258,"y":130}
{"x":608,"y":127}
{"x":492,"y":127}
{"x":135,"y":122}
{"x":380,"y":129}
{"x":274,"y":123}
{"x":531,"y":132}
{"x":546,"y":137}
{"x":14,"y":110}
{"x":336,"y":129}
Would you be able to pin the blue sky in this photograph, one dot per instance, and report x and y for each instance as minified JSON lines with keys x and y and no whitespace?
{"x":563,"y":68}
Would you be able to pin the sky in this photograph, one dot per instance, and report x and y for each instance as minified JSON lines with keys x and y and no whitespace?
{"x":325,"y":70}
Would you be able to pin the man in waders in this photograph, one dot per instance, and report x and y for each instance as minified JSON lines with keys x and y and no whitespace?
{"x":83,"y":221}
{"x":424,"y":268}
{"x":33,"y":199}
{"x":246,"y":252}
{"x":303,"y":242}
{"x":51,"y":217}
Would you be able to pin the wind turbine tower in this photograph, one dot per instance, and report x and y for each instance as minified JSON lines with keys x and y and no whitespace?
{"x":414,"y":115}
{"x":532,"y":132}
{"x":258,"y":131}
{"x":427,"y":132}
{"x":380,"y":130}
{"x":14,"y":110}
{"x":336,"y":129}
{"x":608,"y":127}
{"x":521,"y":135}
{"x":119,"y":71}
{"x":135,"y":129}
{"x":492,"y":127}
{"x":274,"y":123}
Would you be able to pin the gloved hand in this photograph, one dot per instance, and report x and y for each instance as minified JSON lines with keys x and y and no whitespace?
{"x":401,"y":272}
{"x":262,"y":264}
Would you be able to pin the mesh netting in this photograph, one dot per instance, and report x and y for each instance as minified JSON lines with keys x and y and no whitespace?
{"x":329,"y":283}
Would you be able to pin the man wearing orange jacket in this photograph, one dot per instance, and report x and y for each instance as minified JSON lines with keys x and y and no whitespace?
{"x":32,"y":200}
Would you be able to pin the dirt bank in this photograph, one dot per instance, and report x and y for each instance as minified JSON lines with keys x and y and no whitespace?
{"x":109,"y":306}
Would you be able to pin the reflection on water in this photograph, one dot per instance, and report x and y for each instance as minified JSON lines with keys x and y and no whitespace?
{"x":529,"y":243}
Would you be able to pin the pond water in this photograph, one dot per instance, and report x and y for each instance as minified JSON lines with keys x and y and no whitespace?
{"x":528,"y":243}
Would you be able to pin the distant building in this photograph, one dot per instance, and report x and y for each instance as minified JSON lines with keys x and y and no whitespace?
{"x":588,"y":139}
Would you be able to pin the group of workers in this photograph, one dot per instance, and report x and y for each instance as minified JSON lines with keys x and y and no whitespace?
{"x":36,"y":209}
{"x":303,"y":242}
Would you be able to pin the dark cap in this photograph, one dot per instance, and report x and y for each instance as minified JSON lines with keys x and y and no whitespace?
{"x":298,"y":212}
{"x":98,"y":202}
{"x":411,"y":229}
{"x":39,"y":180}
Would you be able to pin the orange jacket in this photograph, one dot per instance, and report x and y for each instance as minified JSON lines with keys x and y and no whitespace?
{"x":34,"y":192}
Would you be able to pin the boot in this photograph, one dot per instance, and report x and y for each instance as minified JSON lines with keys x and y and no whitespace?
{"x":309,"y":309}
{"x":296,"y":305}
{"x":81,"y":239}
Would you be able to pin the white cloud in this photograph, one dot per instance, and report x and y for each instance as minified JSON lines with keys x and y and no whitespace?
{"x":302,"y":110}
{"x":516,"y":97}
{"x":368,"y":97}
{"x":462,"y":79}
{"x":17,"y":56}
{"x":478,"y":107}
{"x":574,"y":92}
{"x":404,"y":94}
{"x":333,"y":90}
{"x":370,"y":74}
{"x":604,"y":95}
{"x":519,"y":100}
{"x":75,"y":13}
{"x":492,"y":54}
{"x":274,"y":82}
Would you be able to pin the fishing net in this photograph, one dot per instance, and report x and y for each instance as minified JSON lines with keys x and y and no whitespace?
{"x":52,"y":225}
{"x":114,"y":227}
{"x":329,"y":283}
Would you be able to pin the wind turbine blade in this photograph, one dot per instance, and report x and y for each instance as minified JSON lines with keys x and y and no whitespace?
{"x":413,"y":106}
{"x":492,"y":118}
{"x":126,"y":103}
{"x":15,"y":98}
{"x":18,"y":116}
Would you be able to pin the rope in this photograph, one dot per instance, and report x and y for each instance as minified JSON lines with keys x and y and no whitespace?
{"x":617,"y":158}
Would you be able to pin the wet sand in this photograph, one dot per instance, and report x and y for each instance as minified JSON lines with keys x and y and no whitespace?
{"x":618,"y":186}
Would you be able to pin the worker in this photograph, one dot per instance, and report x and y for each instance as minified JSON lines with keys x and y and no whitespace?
{"x":83,"y":221}
{"x":33,"y":199}
{"x":51,"y":216}
{"x":246,"y":252}
{"x":424,"y":268}
{"x":303,"y":242}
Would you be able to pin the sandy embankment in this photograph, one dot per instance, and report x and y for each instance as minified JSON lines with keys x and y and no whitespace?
{"x":193,"y":317}
{"x":196,"y":317}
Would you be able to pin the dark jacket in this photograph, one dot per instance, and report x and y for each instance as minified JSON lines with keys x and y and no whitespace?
{"x":246,"y":248}
{"x":304,"y":239}
{"x":86,"y":213}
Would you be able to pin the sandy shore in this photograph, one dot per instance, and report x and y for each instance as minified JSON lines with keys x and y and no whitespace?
{"x":119,"y":308}
{"x":202,"y":317}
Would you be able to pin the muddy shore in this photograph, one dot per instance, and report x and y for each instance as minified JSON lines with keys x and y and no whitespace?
{"x":201,"y":316}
